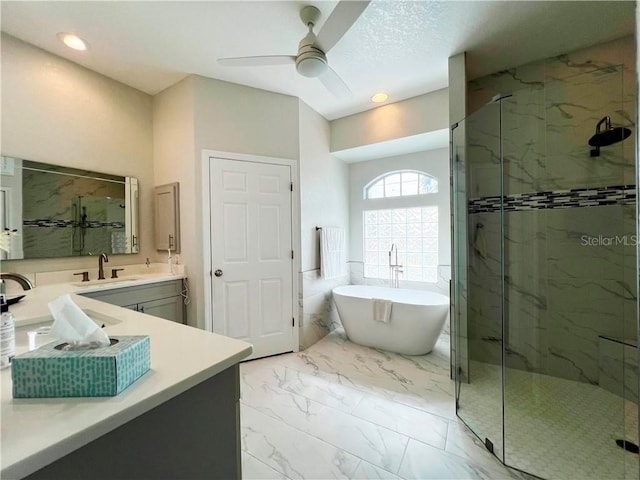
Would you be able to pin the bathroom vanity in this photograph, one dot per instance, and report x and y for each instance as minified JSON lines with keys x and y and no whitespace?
{"x":179,"y":420}
{"x":163,"y":299}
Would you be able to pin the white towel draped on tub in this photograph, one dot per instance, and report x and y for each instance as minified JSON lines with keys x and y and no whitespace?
{"x":382,"y":309}
{"x":332,"y":252}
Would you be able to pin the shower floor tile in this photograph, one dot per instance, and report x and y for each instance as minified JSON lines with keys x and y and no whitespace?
{"x":554,"y":428}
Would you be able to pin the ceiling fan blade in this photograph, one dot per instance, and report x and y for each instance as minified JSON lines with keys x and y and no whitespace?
{"x":343,"y":16}
{"x":332,"y":81}
{"x":257,"y":61}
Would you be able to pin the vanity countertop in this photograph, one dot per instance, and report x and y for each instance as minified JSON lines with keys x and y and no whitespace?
{"x":36,"y":432}
{"x":33,"y":307}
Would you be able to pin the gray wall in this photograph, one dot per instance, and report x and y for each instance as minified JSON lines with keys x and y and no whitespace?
{"x":203,"y":113}
{"x":324,"y":201}
{"x":55,"y":111}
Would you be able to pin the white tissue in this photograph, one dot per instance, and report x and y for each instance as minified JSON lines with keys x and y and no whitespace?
{"x":73,"y":326}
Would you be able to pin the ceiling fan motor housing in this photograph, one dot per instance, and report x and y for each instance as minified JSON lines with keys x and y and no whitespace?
{"x":311,"y":62}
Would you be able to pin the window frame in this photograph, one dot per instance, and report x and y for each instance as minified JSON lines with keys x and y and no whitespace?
{"x":384,"y":176}
{"x":407,"y":201}
{"x":403,"y":242}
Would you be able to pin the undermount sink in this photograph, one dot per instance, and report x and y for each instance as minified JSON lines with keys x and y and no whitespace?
{"x":108,"y":281}
{"x":98,"y":318}
{"x":46,"y":320}
{"x":40,"y":328}
{"x":101,"y":318}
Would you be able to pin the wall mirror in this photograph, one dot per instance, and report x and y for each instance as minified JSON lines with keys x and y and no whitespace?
{"x":54,"y":211}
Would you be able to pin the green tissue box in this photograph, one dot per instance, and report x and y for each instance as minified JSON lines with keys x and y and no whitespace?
{"x":100,"y":372}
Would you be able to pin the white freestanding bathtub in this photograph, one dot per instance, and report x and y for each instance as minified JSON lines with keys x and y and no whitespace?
{"x":416,"y":321}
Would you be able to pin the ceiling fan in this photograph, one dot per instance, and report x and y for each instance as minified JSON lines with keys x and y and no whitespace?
{"x":311,"y":60}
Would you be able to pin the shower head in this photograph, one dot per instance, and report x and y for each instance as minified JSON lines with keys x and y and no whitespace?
{"x":608,"y":136}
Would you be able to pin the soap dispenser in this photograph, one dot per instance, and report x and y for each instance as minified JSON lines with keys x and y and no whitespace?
{"x":7,"y":335}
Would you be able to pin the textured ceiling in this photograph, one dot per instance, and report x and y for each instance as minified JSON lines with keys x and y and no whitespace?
{"x":397,"y":46}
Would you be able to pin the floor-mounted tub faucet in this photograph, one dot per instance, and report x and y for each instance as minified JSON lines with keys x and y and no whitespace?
{"x":394,"y":267}
{"x":101,"y":258}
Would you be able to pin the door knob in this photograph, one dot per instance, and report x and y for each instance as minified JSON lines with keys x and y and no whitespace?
{"x":218,"y":273}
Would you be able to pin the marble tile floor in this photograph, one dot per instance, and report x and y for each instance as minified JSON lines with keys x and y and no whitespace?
{"x":554,"y":428}
{"x":340,"y":410}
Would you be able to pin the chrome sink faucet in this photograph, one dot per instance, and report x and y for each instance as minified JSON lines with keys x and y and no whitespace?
{"x":394,"y":267}
{"x":101,"y":258}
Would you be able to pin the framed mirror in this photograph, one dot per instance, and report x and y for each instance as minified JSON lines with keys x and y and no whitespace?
{"x":50,"y":211}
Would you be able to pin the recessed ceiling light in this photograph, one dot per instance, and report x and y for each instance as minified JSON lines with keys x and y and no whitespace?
{"x":72,"y":41}
{"x":379,"y":97}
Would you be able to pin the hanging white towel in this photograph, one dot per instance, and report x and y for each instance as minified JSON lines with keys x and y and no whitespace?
{"x":332,"y":252}
{"x":382,"y":309}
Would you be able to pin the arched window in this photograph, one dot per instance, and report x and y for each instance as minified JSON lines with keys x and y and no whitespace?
{"x":412,"y":227}
{"x":401,"y":184}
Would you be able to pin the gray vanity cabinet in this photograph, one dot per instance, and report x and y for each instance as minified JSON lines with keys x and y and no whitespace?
{"x":169,"y":308}
{"x":162,"y":299}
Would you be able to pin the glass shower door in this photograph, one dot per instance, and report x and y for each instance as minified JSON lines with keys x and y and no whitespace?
{"x":476,"y":153}
{"x":544,"y":286}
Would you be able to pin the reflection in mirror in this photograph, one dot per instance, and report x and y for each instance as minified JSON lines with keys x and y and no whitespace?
{"x":56,"y":211}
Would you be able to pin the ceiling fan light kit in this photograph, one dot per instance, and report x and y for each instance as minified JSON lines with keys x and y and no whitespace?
{"x":311,"y":60}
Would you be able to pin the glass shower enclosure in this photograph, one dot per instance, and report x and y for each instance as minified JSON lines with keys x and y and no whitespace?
{"x":545,"y":326}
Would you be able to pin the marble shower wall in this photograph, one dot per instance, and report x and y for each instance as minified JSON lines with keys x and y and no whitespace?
{"x":576,"y":89}
{"x":319,"y":314}
{"x":569,"y":269}
{"x":589,"y":290}
{"x":52,"y":206}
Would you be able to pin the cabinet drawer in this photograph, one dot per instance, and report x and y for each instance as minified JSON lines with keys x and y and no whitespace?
{"x":138,"y":294}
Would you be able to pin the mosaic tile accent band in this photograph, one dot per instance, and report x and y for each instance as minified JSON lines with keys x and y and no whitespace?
{"x":50,"y":222}
{"x":574,"y":198}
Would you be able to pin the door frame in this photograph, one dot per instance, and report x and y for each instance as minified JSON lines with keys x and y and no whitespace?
{"x":207,"y":157}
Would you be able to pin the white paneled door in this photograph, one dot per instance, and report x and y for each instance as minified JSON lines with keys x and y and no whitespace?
{"x":251,"y":254}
